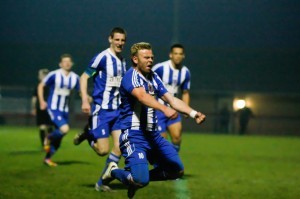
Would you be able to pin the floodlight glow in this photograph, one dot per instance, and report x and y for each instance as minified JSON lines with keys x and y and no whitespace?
{"x":239,"y":104}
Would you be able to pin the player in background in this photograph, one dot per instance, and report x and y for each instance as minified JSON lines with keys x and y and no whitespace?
{"x":42,"y":117}
{"x":175,"y":76}
{"x":140,"y":141}
{"x":107,"y":69}
{"x":60,"y":83}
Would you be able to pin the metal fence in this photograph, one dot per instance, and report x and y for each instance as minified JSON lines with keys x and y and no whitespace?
{"x":274,"y":114}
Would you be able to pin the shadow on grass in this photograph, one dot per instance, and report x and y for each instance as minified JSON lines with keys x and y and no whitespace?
{"x":188,"y":176}
{"x":114,"y":186}
{"x":71,"y":162}
{"x":31,"y":152}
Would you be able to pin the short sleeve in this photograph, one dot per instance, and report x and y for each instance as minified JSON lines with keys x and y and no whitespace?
{"x":131,"y":81}
{"x":158,"y":69}
{"x":161,"y":89}
{"x":77,"y":85}
{"x":49,"y":79}
{"x":186,"y":85}
{"x":96,"y":64}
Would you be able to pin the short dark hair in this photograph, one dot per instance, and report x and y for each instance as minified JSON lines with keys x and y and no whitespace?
{"x":65,"y":55}
{"x":44,"y":71}
{"x":117,"y":30}
{"x":176,"y":46}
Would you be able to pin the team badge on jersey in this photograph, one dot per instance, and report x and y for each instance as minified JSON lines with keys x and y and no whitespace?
{"x":151,"y":89}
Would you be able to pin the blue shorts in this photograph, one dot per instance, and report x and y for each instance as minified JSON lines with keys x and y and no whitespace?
{"x":59,"y":118}
{"x":103,"y":122}
{"x":164,"y":122}
{"x":138,"y":147}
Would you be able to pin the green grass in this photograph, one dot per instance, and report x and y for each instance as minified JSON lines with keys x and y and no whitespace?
{"x":216,"y":166}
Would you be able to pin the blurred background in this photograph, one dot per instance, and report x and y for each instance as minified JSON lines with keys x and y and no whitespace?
{"x":240,"y":54}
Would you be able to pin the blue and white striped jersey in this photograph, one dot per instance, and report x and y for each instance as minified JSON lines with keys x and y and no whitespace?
{"x":135,"y":115}
{"x":173,"y":78}
{"x":107,"y":71}
{"x":60,"y":89}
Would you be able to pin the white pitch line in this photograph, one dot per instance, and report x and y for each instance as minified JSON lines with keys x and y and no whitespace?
{"x":181,"y":188}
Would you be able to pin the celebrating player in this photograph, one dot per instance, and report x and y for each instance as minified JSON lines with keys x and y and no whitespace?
{"x":174,"y":75}
{"x":42,"y":117}
{"x":107,"y":69}
{"x":61,"y":82}
{"x":140,"y":141}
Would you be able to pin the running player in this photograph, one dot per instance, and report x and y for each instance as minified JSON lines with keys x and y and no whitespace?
{"x":175,"y":76}
{"x":107,"y":69}
{"x":140,"y":141}
{"x":60,"y":82}
{"x":42,"y":117}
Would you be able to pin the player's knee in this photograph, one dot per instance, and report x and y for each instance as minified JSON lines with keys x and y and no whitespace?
{"x":101,"y":147}
{"x":64,"y":129}
{"x":141,"y":181}
{"x":101,"y":151}
{"x":43,"y":127}
{"x":176,"y":139}
{"x":140,"y":175}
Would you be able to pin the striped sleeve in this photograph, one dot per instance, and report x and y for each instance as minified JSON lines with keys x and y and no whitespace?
{"x":49,"y":79}
{"x":158,"y":68}
{"x":186,"y":85}
{"x":160,"y":85}
{"x":96,"y":64}
{"x":131,"y":81}
{"x":77,"y":85}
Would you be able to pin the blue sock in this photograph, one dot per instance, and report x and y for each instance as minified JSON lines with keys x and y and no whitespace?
{"x":56,"y":134}
{"x":51,"y":152}
{"x":176,"y":147}
{"x":55,"y":141}
{"x":110,"y":158}
{"x":121,"y":175}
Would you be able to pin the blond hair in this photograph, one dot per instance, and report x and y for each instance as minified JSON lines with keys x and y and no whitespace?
{"x":139,"y":46}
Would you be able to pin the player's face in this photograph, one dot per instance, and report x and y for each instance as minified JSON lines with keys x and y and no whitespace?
{"x":66,"y":63}
{"x":144,"y":60}
{"x":177,"y":56}
{"x":117,"y":42}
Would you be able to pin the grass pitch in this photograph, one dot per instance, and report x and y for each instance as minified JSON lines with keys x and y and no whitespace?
{"x":216,"y":167}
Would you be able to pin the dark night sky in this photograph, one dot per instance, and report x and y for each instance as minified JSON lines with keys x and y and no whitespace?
{"x":231,"y":44}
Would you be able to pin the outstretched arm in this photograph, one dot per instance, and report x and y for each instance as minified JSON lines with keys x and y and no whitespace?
{"x":150,"y":101}
{"x":182,"y":107}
